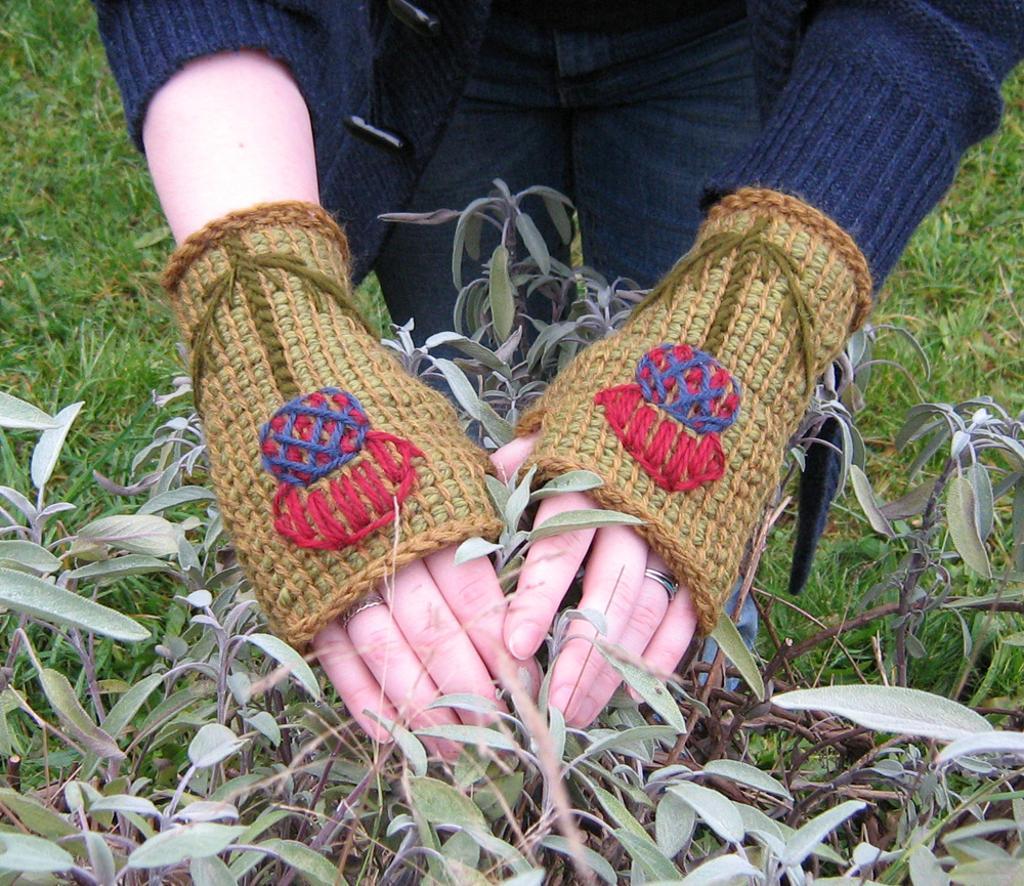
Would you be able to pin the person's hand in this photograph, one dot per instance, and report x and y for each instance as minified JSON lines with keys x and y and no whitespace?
{"x":434,"y":630}
{"x":339,"y":476}
{"x":685,"y":413}
{"x":640,"y":618}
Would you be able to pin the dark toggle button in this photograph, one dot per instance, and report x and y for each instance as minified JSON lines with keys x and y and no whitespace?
{"x":374,"y":134}
{"x":412,"y":16}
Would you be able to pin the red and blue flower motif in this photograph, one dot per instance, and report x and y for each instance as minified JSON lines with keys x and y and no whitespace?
{"x":338,"y":479}
{"x":670,"y":419}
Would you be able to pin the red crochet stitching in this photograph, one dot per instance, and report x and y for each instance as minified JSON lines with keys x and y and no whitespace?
{"x":344,"y":509}
{"x":674,"y":458}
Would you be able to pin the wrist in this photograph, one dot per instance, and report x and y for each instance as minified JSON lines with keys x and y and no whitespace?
{"x":264,"y":274}
{"x":792,"y":224}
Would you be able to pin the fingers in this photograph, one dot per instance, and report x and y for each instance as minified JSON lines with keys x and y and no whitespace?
{"x":394,"y":659}
{"x":380,"y":644}
{"x":431,"y":629}
{"x":656,"y":629}
{"x":648,"y":613}
{"x":547,"y":573}
{"x":612,"y":584}
{"x":358,"y":688}
{"x":511,"y":456}
{"x":673,"y":635}
{"x":475,"y":598}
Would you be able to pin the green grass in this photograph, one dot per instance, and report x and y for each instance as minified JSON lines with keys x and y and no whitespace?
{"x":79,"y":312}
{"x":81,"y":316}
{"x":957,"y":290}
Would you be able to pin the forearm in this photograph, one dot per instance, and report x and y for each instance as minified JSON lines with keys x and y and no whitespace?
{"x":225,"y":132}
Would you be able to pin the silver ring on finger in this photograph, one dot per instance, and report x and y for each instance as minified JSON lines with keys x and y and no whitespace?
{"x":670,"y":585}
{"x":370,"y":600}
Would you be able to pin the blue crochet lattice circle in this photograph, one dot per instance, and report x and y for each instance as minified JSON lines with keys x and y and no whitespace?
{"x":691,"y":386}
{"x":313,"y":435}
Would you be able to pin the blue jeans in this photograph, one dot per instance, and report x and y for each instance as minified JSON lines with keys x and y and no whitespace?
{"x":627,"y":124}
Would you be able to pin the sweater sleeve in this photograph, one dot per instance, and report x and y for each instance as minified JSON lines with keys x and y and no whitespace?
{"x":147,"y":41}
{"x":883,"y":98}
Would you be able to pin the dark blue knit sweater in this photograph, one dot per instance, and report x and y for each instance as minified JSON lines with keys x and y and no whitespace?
{"x":868,"y":104}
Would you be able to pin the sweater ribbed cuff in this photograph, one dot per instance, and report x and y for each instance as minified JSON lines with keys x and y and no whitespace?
{"x":847,"y":141}
{"x":147,"y":41}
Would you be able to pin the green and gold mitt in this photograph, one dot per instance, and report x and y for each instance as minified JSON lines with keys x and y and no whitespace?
{"x":685,"y":413}
{"x":332,"y":466}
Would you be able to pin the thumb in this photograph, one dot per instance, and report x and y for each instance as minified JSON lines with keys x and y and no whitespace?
{"x":511,"y":456}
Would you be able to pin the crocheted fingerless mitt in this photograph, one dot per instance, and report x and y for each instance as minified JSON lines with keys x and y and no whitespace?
{"x":333,"y":467}
{"x":685,"y":412}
